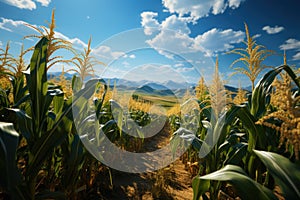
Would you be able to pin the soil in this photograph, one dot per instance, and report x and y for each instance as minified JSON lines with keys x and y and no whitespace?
{"x":171,"y":182}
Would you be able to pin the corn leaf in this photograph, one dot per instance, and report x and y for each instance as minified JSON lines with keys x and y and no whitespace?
{"x":9,"y":174}
{"x":285,"y":173}
{"x":239,"y":179}
{"x":38,"y":86}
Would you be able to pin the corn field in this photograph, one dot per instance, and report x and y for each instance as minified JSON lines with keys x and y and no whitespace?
{"x":256,"y":151}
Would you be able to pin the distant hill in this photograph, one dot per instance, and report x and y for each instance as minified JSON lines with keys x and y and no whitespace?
{"x":67,"y":75}
{"x":167,"y":88}
{"x":231,"y":89}
{"x":146,"y":89}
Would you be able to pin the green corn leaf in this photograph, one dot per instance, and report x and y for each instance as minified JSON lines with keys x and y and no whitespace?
{"x":21,"y":119}
{"x":38,"y":86}
{"x":9,"y":174}
{"x":260,"y":95}
{"x":74,"y":161}
{"x":253,"y":130}
{"x":43,"y":147}
{"x":236,"y":154}
{"x":4,"y":101}
{"x":20,"y":89}
{"x":285,"y":173}
{"x":247,"y":188}
{"x":76,"y":84}
{"x":200,"y":186}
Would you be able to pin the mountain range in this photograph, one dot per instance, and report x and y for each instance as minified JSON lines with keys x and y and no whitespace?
{"x":147,"y":87}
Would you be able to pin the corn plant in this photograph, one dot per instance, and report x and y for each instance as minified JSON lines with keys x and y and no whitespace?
{"x":84,"y":63}
{"x":46,"y":125}
{"x":285,"y":173}
{"x":251,"y":58}
{"x":9,"y":173}
{"x":55,"y":43}
{"x":245,"y":135}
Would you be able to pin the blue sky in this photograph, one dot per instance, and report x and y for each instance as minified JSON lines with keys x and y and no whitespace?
{"x":160,"y":39}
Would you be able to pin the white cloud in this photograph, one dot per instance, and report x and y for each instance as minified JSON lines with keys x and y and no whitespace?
{"x":19,"y":27}
{"x":44,"y":2}
{"x":178,"y":65}
{"x":218,"y":7}
{"x":132,"y":56}
{"x":76,"y":42}
{"x":105,"y":52}
{"x":149,"y":23}
{"x":198,"y":9}
{"x":184,"y":69}
{"x":172,"y":35}
{"x":176,"y":23}
{"x":22,"y":4}
{"x":1,"y":43}
{"x":26,"y":4}
{"x":215,"y":40}
{"x":273,"y":30}
{"x":234,"y":3}
{"x":11,"y":25}
{"x":296,"y":56}
{"x":256,"y":36}
{"x":164,"y":43}
{"x":291,"y":44}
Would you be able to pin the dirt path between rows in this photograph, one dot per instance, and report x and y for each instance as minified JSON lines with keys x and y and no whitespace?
{"x":171,"y":182}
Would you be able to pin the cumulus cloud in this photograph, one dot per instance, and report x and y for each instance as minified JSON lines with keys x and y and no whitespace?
{"x":216,"y":40}
{"x":149,"y":22}
{"x":11,"y":25}
{"x":292,"y":44}
{"x":174,"y":36}
{"x":44,"y":2}
{"x":234,"y":3}
{"x":26,"y":4}
{"x":105,"y":52}
{"x":176,"y":23}
{"x":18,"y":26}
{"x":76,"y":42}
{"x":218,"y":7}
{"x":168,"y":42}
{"x":273,"y":30}
{"x":296,"y":56}
{"x":256,"y":36}
{"x":199,"y":9}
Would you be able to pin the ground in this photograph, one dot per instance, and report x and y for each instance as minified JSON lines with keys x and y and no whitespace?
{"x":171,"y":182}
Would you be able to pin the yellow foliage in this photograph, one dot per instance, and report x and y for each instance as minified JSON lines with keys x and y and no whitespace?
{"x":65,"y":84}
{"x":286,"y":112}
{"x":217,"y":93}
{"x":240,"y":97}
{"x":55,"y":43}
{"x":201,"y":90}
{"x":4,"y":83}
{"x":84,"y":63}
{"x":251,"y":57}
{"x":175,"y":110}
